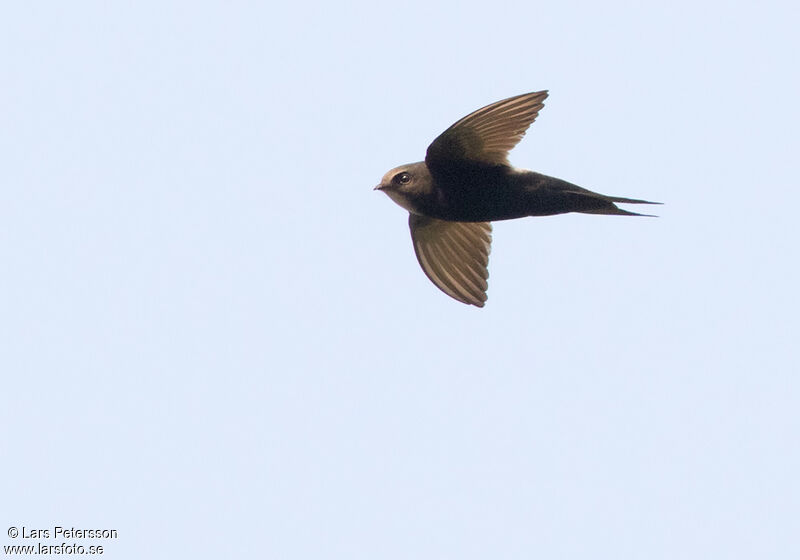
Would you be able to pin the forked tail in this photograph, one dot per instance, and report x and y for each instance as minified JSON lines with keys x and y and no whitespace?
{"x":551,"y":193}
{"x":605,"y":205}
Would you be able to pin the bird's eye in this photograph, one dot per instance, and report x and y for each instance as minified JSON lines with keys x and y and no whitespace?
{"x":402,"y":178}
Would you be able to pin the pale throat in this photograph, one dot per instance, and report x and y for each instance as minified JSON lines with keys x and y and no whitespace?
{"x":401,"y":200}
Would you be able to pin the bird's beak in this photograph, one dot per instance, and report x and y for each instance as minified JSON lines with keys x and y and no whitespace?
{"x":378,"y":188}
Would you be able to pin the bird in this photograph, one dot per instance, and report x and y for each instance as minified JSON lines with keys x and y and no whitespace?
{"x":466,"y":182}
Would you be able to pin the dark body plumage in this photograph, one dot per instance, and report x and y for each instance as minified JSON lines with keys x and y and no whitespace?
{"x":487,"y":193}
{"x":466,"y":182}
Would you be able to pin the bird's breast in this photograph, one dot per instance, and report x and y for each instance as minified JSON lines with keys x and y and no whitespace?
{"x":480,"y":195}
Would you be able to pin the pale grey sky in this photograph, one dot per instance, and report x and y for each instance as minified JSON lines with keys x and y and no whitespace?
{"x":215,"y":337}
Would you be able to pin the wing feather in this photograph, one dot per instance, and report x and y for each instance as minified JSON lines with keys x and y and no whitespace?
{"x":488,"y":134}
{"x":454,"y":256}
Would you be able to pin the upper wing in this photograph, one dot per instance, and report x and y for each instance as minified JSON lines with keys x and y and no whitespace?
{"x":454,"y":255}
{"x":488,"y":134}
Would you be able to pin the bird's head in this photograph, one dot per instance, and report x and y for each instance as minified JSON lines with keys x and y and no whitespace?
{"x":407,"y":184}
